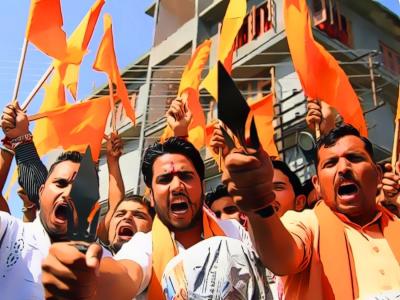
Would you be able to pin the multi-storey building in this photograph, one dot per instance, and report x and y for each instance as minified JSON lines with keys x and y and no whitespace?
{"x":364,"y":37}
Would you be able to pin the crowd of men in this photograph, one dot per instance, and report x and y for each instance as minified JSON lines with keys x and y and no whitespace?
{"x":260,"y":234}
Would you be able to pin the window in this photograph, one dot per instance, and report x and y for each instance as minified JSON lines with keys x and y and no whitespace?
{"x":390,"y":58}
{"x":327,"y":17}
{"x":256,"y":23}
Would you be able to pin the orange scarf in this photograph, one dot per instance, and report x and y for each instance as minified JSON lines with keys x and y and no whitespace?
{"x":339,"y":280}
{"x":164,"y":249}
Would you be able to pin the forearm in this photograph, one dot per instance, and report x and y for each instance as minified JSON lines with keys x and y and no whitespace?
{"x":274,"y":244}
{"x":5,"y":164}
{"x":118,"y":279}
{"x":32,"y":173}
{"x":116,"y":189}
{"x":29,"y":214}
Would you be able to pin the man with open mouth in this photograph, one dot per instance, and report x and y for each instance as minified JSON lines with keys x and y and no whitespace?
{"x":23,"y":245}
{"x":347,"y":247}
{"x":174,"y":172}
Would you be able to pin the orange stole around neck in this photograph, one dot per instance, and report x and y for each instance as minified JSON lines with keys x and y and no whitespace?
{"x":165,"y":248}
{"x":340,"y":280}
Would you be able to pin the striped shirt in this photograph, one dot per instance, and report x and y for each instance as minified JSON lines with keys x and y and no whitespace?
{"x":32,"y":173}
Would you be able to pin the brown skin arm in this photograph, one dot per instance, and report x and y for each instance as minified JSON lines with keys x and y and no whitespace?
{"x":116,"y":189}
{"x":5,"y":164}
{"x":249,"y":181}
{"x":68,"y":273}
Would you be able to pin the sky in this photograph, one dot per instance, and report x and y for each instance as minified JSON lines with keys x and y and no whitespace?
{"x":133,"y":36}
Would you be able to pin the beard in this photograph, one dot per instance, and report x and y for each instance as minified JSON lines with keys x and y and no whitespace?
{"x":54,"y":234}
{"x":197,"y":218}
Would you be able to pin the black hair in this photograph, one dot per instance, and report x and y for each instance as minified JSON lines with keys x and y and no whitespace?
{"x":220,"y":191}
{"x":173,"y":145}
{"x":293,"y":179}
{"x":139,"y":199}
{"x":330,"y":139}
{"x":308,"y":187}
{"x":73,"y":156}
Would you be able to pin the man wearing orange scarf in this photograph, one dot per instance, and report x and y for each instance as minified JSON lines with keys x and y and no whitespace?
{"x":348,"y":246}
{"x":174,"y":173}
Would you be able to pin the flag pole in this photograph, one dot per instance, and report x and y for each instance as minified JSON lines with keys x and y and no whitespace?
{"x":113,"y":116}
{"x":37,"y":87}
{"x":219,"y":122}
{"x":395,"y":145}
{"x":20,"y":69}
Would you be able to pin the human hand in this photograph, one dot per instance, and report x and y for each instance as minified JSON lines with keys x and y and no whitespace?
{"x":179,"y":117}
{"x":249,"y":179}
{"x":69,"y":274}
{"x":14,"y":121}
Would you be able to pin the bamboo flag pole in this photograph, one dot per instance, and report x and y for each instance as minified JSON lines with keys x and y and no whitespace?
{"x":37,"y":87}
{"x":113,"y":116}
{"x":20,"y":70}
{"x":395,"y":145}
{"x":396,"y":135}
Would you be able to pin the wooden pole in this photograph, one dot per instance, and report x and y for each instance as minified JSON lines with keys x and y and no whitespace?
{"x":317,"y":131}
{"x":395,"y":145}
{"x":36,"y":89}
{"x":20,"y":69}
{"x":113,"y":115}
{"x":372,"y":77}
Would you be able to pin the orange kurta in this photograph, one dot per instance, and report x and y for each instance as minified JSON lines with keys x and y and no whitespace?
{"x":365,"y":258}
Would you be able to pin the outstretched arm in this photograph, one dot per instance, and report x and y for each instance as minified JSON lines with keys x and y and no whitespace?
{"x":249,"y":181}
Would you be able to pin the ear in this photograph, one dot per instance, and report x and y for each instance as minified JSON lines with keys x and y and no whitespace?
{"x":315,"y":182}
{"x":300,"y":202}
{"x":151,"y":198}
{"x":380,"y":173}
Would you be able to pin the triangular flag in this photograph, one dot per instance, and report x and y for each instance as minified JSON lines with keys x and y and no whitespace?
{"x":75,"y":126}
{"x":80,"y":39}
{"x":263,"y":111}
{"x":320,"y":74}
{"x":189,"y":84}
{"x":106,"y":61}
{"x":231,"y":24}
{"x":44,"y":30}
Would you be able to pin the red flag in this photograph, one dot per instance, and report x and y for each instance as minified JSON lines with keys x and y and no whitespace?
{"x":74,"y":127}
{"x":320,"y":75}
{"x":106,"y":61}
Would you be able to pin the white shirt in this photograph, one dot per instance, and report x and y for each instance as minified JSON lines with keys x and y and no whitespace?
{"x":23,"y":246}
{"x":139,"y":249}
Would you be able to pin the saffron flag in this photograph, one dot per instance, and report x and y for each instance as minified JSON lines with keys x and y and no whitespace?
{"x":79,"y":40}
{"x":233,"y":20}
{"x":106,"y":61}
{"x":75,"y":126}
{"x":54,"y":97}
{"x":320,"y":74}
{"x":44,"y":30}
{"x":189,"y":85}
{"x":263,"y":112}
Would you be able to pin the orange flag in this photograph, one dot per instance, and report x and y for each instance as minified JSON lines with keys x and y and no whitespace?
{"x":54,"y":97}
{"x":189,"y":85}
{"x":263,"y":112}
{"x":233,"y":20}
{"x":75,"y":126}
{"x":79,"y":40}
{"x":44,"y":30}
{"x":320,"y":75}
{"x":106,"y":61}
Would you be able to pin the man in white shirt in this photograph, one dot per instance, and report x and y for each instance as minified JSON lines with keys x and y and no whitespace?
{"x":174,"y":172}
{"x":23,"y":246}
